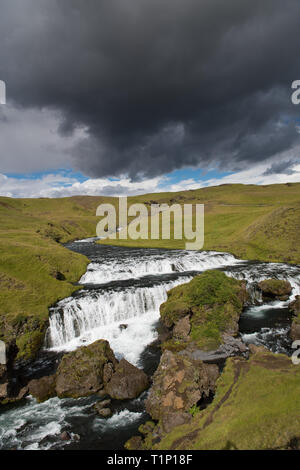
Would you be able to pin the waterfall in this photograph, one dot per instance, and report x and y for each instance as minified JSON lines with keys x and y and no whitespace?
{"x":98,"y":315}
{"x":129,"y":268}
{"x":125,"y":311}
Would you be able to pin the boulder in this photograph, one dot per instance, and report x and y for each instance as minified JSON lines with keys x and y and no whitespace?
{"x":42,"y":389}
{"x":84,"y":372}
{"x":127,"y":382}
{"x":178,"y":384}
{"x":65,"y":436}
{"x":275,"y":289}
{"x":105,"y":412}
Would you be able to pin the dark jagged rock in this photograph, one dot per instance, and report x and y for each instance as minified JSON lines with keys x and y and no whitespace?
{"x":127,"y":382}
{"x":275,"y":289}
{"x":81,"y":373}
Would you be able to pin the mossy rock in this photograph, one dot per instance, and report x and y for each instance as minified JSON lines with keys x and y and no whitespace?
{"x":275,"y":289}
{"x":82,"y":372}
{"x":214,"y":302}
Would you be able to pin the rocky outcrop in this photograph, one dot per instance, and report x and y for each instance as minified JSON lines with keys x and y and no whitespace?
{"x":178,"y":384}
{"x":262,"y":392}
{"x":85,"y":371}
{"x":198,"y":314}
{"x":127,"y":382}
{"x":275,"y":289}
{"x":294,"y":307}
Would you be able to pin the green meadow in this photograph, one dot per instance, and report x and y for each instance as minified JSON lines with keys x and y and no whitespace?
{"x":36,"y":270}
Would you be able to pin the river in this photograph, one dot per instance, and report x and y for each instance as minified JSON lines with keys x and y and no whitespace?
{"x":122,"y":291}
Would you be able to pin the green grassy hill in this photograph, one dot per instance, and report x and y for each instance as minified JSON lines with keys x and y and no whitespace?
{"x":253,"y":222}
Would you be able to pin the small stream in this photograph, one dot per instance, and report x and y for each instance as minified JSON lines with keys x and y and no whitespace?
{"x":125,"y":287}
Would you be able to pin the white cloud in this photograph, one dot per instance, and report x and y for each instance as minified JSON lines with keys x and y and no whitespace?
{"x":63,"y":185}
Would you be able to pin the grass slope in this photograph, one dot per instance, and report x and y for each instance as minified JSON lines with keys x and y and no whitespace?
{"x":35,"y":268}
{"x":254,"y":222}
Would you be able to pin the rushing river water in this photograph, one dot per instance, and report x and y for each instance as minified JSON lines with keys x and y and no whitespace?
{"x":126,"y":287}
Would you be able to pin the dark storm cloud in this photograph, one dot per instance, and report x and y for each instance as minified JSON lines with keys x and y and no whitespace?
{"x":158,"y":84}
{"x":285,"y":167}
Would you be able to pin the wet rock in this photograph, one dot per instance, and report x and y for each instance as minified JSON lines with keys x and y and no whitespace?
{"x":127,"y":382}
{"x":65,"y":436}
{"x":275,"y":289}
{"x":81,"y":372}
{"x":178,"y":384}
{"x":102,"y":404}
{"x":42,"y":389}
{"x":105,"y":412}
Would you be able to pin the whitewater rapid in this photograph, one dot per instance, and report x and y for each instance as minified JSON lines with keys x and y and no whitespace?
{"x":124,"y":288}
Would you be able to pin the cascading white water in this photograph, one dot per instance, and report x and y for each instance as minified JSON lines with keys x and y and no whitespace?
{"x":253,"y":274}
{"x":98,"y":315}
{"x":129,"y":268}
